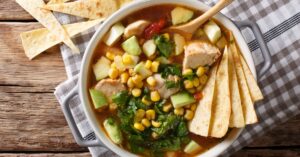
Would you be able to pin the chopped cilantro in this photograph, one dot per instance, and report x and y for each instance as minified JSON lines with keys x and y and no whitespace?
{"x":169,"y":69}
{"x":173,"y":84}
{"x":165,"y":47}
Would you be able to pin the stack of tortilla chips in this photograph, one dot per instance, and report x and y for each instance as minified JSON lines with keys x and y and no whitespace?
{"x":228,"y":97}
{"x":37,"y":41}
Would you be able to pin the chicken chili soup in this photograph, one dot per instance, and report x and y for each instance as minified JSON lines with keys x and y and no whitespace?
{"x":146,"y":83}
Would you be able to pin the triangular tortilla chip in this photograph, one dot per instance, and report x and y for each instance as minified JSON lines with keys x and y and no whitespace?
{"x":200,"y":123}
{"x":124,"y":2}
{"x":255,"y":92}
{"x":92,"y":9}
{"x":57,"y":1}
{"x":247,"y":103}
{"x":221,"y":108}
{"x":236,"y":117}
{"x":48,"y":20}
{"x":39,"y":40}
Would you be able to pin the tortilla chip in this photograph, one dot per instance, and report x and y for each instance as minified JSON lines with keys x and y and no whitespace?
{"x":255,"y":92}
{"x":200,"y":123}
{"x":47,"y":19}
{"x":221,"y":107}
{"x":124,"y":2}
{"x":37,"y":41}
{"x":247,"y":104}
{"x":92,"y":9}
{"x":57,"y":1}
{"x":236,"y":117}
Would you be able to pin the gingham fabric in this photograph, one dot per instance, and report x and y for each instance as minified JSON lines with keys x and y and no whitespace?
{"x":279,"y":21}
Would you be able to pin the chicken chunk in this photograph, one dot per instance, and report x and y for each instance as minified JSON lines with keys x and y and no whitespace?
{"x":136,"y":28}
{"x":200,"y":53}
{"x":109,"y":87}
{"x":163,"y":91}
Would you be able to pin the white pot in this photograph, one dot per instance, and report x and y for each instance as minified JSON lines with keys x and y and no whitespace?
{"x":83,"y":91}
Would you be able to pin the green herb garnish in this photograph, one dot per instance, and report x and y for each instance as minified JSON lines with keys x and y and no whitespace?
{"x":165,"y":47}
{"x":121,"y":99}
{"x":169,"y":69}
{"x":173,"y":84}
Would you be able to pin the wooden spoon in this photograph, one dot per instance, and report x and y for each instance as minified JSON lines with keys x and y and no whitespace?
{"x":192,"y":26}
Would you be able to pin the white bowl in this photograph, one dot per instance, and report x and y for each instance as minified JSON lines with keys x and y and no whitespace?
{"x":119,"y":15}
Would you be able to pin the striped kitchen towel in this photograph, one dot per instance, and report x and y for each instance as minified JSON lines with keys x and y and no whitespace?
{"x":279,"y":21}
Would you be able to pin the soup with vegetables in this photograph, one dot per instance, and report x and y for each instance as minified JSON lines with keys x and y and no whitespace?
{"x":146,"y":83}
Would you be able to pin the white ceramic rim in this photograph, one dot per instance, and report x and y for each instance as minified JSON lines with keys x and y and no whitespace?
{"x":119,"y":15}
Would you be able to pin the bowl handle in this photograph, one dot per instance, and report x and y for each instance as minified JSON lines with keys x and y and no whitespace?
{"x":267,"y":63}
{"x":71,"y":122}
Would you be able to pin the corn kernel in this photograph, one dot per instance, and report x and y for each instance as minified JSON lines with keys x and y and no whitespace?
{"x":167,"y":36}
{"x":200,"y":71}
{"x":167,"y":107}
{"x":127,"y":59}
{"x":150,"y":114}
{"x":146,"y":122}
{"x":155,"y":124}
{"x":110,"y":56}
{"x":139,"y":115}
{"x":154,"y":135}
{"x":188,"y":84}
{"x":199,"y":88}
{"x":179,"y":111}
{"x":131,"y":72}
{"x":187,"y":72}
{"x":130,"y":83}
{"x":113,"y":107}
{"x":139,"y":126}
{"x":140,"y":85}
{"x":113,"y":73}
{"x":203,"y":79}
{"x":146,"y":101}
{"x":151,"y":81}
{"x":193,"y":107}
{"x":192,"y":90}
{"x":154,"y":66}
{"x":113,"y":65}
{"x":124,"y":77}
{"x":189,"y":115}
{"x":148,"y":64}
{"x":136,"y":92}
{"x":155,"y":96}
{"x":137,"y":79}
{"x":196,"y":82}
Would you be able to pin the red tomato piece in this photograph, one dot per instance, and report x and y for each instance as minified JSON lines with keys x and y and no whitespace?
{"x":198,"y":96}
{"x":154,"y":28}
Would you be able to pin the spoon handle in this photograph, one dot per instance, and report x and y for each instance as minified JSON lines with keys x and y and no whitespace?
{"x":211,"y":12}
{"x":189,"y":28}
{"x":193,"y":25}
